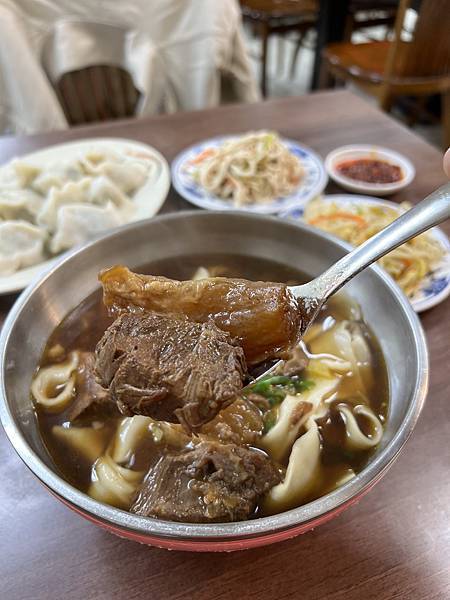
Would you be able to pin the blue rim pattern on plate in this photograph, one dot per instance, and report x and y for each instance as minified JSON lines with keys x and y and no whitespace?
{"x":435,"y":286}
{"x":313,"y":183}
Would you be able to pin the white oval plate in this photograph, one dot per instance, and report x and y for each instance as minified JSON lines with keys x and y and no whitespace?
{"x":148,"y":199}
{"x":313,"y":183}
{"x":435,"y":286}
{"x":357,"y":151}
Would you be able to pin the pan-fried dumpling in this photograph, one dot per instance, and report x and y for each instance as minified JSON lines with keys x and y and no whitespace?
{"x":57,"y":174}
{"x":73,"y":192}
{"x":21,"y":245}
{"x":79,"y":223}
{"x":20,"y":204}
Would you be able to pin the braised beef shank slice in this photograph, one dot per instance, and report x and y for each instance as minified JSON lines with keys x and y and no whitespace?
{"x":211,"y":483}
{"x":90,"y":394}
{"x":159,"y":366}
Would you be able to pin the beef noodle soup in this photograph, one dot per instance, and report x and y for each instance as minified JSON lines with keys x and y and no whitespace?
{"x":160,"y":414}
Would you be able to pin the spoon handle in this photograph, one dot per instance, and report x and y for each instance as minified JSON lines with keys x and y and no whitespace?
{"x":428,"y":213}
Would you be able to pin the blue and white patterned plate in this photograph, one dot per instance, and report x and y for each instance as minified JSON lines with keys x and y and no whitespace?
{"x":313,"y":182}
{"x":435,"y":286}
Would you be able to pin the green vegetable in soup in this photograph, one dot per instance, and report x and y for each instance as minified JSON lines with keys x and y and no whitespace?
{"x":270,"y":418}
{"x":276,"y":387}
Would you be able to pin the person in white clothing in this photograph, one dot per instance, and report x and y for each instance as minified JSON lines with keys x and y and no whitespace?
{"x":176,"y":52}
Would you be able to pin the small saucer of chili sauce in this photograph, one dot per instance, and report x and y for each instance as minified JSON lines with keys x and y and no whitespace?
{"x":365,"y":168}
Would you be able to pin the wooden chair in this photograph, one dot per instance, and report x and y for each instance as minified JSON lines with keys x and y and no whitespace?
{"x":281,"y":17}
{"x":364,"y":14}
{"x":98,"y":93}
{"x":387,"y":70}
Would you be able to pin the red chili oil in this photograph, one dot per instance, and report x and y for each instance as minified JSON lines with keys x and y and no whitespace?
{"x":370,"y":170}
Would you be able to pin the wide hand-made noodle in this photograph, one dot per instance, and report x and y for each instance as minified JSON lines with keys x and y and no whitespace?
{"x":152,"y":412}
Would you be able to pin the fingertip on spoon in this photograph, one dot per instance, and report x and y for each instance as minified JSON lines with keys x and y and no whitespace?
{"x":447,"y":163}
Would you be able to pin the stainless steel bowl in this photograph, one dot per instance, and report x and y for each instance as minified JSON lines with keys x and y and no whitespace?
{"x":43,"y":306}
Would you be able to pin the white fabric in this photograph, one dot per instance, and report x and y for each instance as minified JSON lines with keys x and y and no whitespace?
{"x":174,"y":50}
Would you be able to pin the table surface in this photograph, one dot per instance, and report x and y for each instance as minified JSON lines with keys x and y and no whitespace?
{"x":394,"y":544}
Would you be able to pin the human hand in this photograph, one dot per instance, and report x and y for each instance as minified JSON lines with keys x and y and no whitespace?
{"x":447,"y":163}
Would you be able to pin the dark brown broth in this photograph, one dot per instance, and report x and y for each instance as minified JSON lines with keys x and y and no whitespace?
{"x":85,"y":325}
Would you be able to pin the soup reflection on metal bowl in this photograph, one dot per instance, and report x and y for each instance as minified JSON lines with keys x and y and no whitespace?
{"x":45,"y":304}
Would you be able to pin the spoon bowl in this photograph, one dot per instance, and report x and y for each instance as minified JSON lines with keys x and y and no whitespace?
{"x":311,"y":296}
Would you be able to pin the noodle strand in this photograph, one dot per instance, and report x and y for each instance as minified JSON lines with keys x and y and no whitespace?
{"x":252,"y":169}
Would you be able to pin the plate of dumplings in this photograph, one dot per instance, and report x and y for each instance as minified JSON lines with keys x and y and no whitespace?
{"x":66,"y":195}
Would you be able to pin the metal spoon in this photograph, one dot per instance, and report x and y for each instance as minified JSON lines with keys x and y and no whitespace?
{"x":312,"y":296}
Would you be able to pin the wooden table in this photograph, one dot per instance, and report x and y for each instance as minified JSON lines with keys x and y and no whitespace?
{"x":394,"y":544}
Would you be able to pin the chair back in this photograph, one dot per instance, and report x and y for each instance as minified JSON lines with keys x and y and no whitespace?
{"x":97,"y":93}
{"x":427,"y":54}
{"x":278,"y":8}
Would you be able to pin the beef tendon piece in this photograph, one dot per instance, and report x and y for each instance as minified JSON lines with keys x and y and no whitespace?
{"x":211,"y":483}
{"x":160,"y":366}
{"x":263,"y":317}
{"x":240,"y":423}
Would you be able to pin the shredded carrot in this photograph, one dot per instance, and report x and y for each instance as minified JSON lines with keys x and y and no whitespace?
{"x":407,"y":262}
{"x":339,"y":215}
{"x":201,"y":157}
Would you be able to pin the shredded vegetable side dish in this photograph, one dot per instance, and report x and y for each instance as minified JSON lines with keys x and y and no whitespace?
{"x":255,"y":168}
{"x":356,"y":223}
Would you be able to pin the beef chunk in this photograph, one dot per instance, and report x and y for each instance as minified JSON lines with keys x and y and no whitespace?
{"x":211,"y":483}
{"x":264,"y":317}
{"x":296,"y":363}
{"x":239,"y":423}
{"x":160,"y":366}
{"x":89,"y":393}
